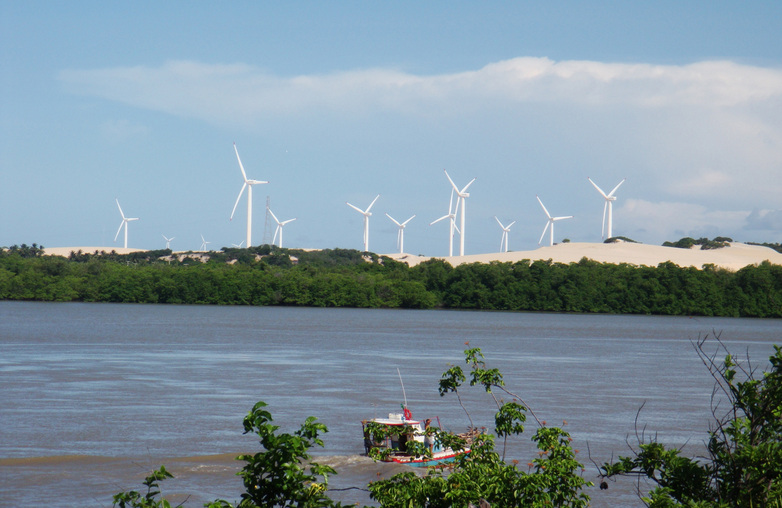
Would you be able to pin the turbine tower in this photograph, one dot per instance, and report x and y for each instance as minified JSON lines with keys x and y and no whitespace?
{"x":248,"y":184}
{"x":366,"y":215}
{"x":452,"y":216}
{"x":610,"y":198}
{"x":550,"y":222}
{"x":505,"y":231}
{"x":400,"y":236}
{"x":124,"y":222}
{"x":462,"y":195}
{"x":279,"y":227}
{"x":168,"y":241}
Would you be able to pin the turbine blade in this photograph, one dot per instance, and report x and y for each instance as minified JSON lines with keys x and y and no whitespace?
{"x":120,"y":209}
{"x":237,"y":200}
{"x":466,"y":186}
{"x":244,"y":175}
{"x":274,"y":217}
{"x":498,"y":222}
{"x":120,"y":229}
{"x":359,"y":210}
{"x":544,"y":208}
{"x":544,"y":231}
{"x":408,"y":220}
{"x":598,"y":188}
{"x":617,"y":186}
{"x":452,"y":184}
{"x":441,"y":218}
{"x":509,"y":225}
{"x":287,"y":221}
{"x":394,"y":220}
{"x":561,"y":218}
{"x":603,"y":229}
{"x":372,"y":204}
{"x":274,"y":239}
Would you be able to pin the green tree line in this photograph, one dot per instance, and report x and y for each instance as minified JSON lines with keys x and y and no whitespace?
{"x":346,"y":278}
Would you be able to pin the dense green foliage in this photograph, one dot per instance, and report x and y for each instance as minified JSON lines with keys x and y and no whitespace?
{"x":347,"y":278}
{"x":744,"y":463}
{"x":704,"y":243}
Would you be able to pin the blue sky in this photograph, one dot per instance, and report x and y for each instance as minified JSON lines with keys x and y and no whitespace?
{"x":336,"y":102}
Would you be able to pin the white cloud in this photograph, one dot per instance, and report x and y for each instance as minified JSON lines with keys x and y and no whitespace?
{"x":656,"y":222}
{"x":692,"y":139}
{"x":203,"y":90}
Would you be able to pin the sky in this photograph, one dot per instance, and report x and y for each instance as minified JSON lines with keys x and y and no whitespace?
{"x":335,"y":102}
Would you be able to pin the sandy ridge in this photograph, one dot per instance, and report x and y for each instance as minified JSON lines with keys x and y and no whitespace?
{"x":735,"y":257}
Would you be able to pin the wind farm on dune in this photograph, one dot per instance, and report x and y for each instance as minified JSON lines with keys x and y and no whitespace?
{"x":456,"y":225}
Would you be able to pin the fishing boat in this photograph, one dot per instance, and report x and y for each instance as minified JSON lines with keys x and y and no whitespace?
{"x":391,"y":439}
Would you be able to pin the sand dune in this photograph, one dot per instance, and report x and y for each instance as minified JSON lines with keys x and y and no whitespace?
{"x":66,"y":251}
{"x":735,"y":257}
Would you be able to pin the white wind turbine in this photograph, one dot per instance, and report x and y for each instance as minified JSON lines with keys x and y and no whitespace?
{"x":239,"y":246}
{"x":203,"y":244}
{"x":366,"y":215}
{"x":505,"y":231}
{"x":400,"y":236}
{"x":463,"y":195}
{"x":248,"y":184}
{"x":279,"y":227}
{"x":124,"y":222}
{"x":168,"y":241}
{"x":452,"y":216}
{"x":610,"y":198}
{"x":551,"y":221}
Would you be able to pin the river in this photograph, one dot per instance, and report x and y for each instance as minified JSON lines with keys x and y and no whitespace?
{"x":94,"y":396}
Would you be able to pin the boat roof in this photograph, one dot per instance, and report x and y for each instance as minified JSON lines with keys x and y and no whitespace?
{"x":394,"y":421}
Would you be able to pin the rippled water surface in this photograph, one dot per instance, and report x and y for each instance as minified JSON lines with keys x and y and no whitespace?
{"x":96,"y":395}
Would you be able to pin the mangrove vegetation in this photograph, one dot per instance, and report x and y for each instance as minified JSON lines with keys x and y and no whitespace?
{"x":268,"y":275}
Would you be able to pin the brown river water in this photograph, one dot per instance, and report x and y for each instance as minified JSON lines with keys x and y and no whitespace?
{"x":94,"y":396}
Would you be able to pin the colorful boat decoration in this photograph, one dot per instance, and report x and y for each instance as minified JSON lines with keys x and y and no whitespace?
{"x":403,"y":440}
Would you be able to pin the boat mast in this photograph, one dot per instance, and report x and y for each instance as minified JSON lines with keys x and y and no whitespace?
{"x":403,"y":386}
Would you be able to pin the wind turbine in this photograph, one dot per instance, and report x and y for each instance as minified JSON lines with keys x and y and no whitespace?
{"x":124,"y":222}
{"x":610,"y":198}
{"x":551,"y":221}
{"x":505,"y":231}
{"x":452,"y":216}
{"x":400,"y":236}
{"x":168,"y":241}
{"x":239,"y":246}
{"x":203,"y":244}
{"x":248,"y":184}
{"x":463,"y":195}
{"x":279,"y":227}
{"x":366,"y":215}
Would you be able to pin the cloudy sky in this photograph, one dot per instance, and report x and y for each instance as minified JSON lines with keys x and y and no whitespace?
{"x":339,"y":102}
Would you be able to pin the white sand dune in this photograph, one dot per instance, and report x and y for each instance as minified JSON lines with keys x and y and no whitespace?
{"x":66,"y":251}
{"x":735,"y":257}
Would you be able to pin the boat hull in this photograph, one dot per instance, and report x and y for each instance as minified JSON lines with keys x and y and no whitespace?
{"x":438,"y":459}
